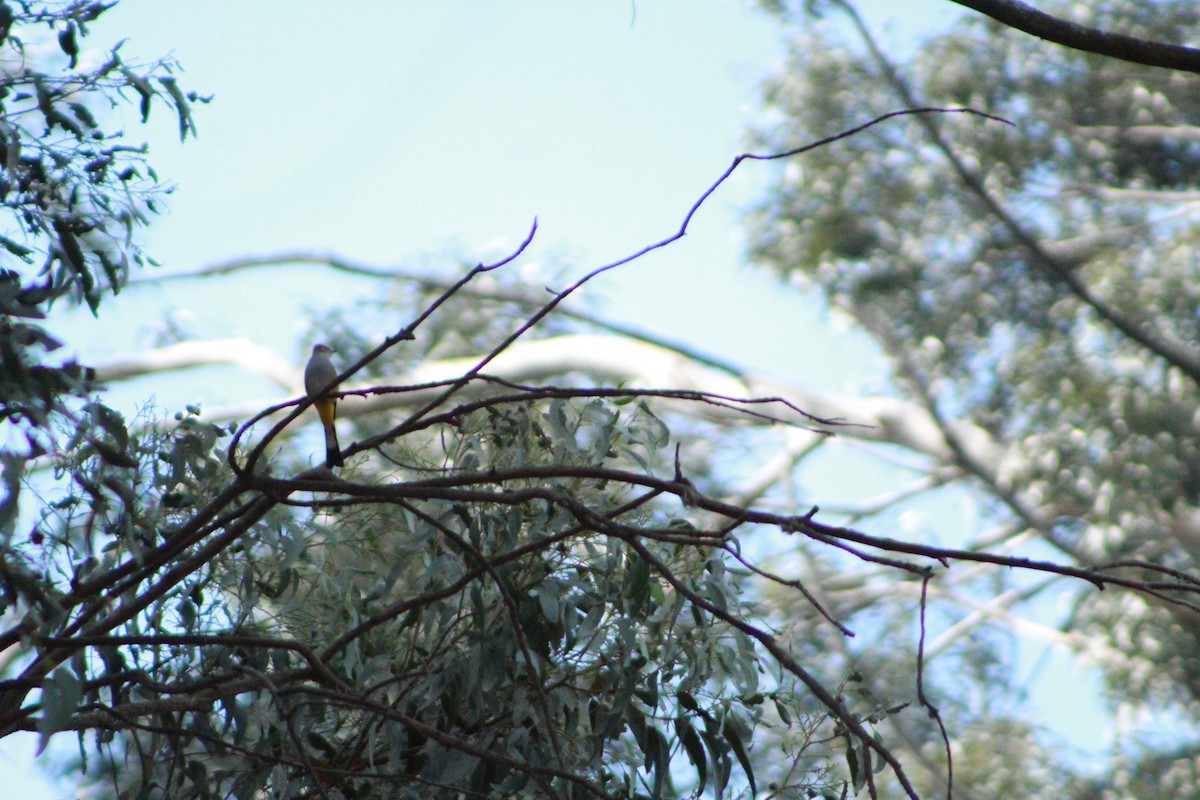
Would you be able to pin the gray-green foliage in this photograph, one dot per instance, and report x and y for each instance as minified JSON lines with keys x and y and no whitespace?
{"x":524,"y":624}
{"x":473,"y":640}
{"x":1038,"y":281}
{"x":523,"y":597}
{"x":74,"y":190}
{"x":73,"y":193}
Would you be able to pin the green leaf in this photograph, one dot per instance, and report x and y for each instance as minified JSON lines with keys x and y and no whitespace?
{"x":61,"y":694}
{"x":19,"y":250}
{"x":739,"y":750}
{"x":852,"y":764}
{"x":695,"y":750}
{"x":658,"y":758}
{"x":66,"y":40}
{"x":182,"y":108}
{"x":116,"y":456}
{"x":143,"y":88}
{"x":6,"y":21}
{"x":70,"y":252}
{"x":560,"y":433}
{"x":637,"y":586}
{"x":110,"y":269}
{"x":187,"y":613}
{"x":111,"y":422}
{"x":83,"y":114}
{"x":10,"y":476}
{"x":782,"y":710}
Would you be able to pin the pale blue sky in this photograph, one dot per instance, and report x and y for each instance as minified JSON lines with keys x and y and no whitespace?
{"x":394,"y":131}
{"x":407,"y":127}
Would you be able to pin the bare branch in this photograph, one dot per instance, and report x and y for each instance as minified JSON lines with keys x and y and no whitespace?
{"x":1028,"y":19}
{"x":1142,"y":133}
{"x":1059,"y":272}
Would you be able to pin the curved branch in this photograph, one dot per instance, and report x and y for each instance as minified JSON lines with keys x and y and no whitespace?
{"x":189,"y":355}
{"x":560,"y":296}
{"x":487,"y":487}
{"x":428,"y":282}
{"x":1055,"y":270}
{"x":611,"y":361}
{"x":771,"y":644}
{"x":1028,"y":19}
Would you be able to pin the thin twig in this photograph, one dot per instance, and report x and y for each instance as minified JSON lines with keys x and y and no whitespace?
{"x":924,"y":701}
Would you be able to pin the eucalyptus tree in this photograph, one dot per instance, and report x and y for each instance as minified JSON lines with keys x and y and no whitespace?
{"x":536,"y":574}
{"x":1034,"y":287}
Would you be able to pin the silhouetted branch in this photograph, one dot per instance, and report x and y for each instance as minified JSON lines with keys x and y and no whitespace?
{"x":1028,"y":19}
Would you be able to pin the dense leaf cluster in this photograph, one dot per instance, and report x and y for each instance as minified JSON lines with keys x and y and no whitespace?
{"x":449,"y":627}
{"x":73,"y":193}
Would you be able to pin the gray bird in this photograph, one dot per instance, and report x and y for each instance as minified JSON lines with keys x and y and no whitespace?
{"x":319,"y":375}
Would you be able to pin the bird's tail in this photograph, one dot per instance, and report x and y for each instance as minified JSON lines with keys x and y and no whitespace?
{"x":333,"y":453}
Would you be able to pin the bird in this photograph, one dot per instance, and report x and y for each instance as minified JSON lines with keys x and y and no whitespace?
{"x":319,"y":375}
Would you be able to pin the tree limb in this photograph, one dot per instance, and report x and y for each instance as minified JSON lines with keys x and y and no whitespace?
{"x":1028,"y":19}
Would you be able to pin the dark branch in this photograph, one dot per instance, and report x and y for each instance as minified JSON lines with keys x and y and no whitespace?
{"x":1028,"y":19}
{"x":1056,"y":270}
